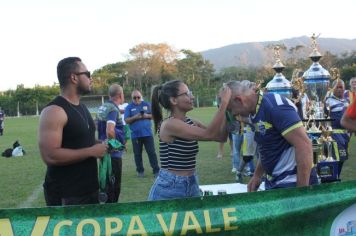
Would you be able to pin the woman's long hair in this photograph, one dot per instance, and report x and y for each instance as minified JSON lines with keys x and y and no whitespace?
{"x":161,"y":95}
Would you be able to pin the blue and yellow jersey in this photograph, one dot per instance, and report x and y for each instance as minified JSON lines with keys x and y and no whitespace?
{"x":336,"y":108}
{"x":275,"y":117}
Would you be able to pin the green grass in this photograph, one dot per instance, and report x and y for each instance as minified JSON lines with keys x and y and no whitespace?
{"x":21,"y":178}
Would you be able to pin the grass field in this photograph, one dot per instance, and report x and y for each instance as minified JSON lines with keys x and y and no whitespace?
{"x":21,"y":178}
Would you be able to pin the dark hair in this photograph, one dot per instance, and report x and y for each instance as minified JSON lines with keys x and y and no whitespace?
{"x":65,"y":68}
{"x":160,"y":96}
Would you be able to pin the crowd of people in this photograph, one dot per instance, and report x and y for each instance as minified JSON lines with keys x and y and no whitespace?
{"x":262,"y":125}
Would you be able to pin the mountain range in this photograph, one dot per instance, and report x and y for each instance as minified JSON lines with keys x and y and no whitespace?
{"x":262,"y":53}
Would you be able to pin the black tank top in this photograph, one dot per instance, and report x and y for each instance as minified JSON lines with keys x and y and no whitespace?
{"x":82,"y":177}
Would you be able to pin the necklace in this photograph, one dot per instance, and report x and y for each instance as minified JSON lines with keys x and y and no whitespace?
{"x":84,"y":118}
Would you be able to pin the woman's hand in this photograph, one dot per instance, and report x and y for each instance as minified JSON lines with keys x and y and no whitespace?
{"x":225,"y":95}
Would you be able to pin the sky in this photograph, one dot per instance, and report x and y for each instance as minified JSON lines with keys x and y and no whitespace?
{"x":36,"y":34}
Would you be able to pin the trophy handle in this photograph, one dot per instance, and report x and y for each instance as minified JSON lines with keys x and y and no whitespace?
{"x":298,"y":84}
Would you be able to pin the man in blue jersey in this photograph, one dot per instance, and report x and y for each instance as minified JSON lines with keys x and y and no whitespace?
{"x":110,"y":126}
{"x":138,"y":116}
{"x":286,"y":155}
{"x":335,"y":106}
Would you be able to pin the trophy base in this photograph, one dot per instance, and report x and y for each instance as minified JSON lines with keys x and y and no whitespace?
{"x":328,"y":171}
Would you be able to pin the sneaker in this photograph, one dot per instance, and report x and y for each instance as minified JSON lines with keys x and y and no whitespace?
{"x":141,"y":175}
{"x":248,"y":173}
{"x":233,"y":170}
{"x":239,"y":178}
{"x":219,"y":156}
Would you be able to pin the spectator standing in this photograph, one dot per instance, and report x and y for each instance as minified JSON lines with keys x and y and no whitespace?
{"x":67,"y":140}
{"x":2,"y":120}
{"x":138,"y":116}
{"x":126,"y":126}
{"x":249,"y":147}
{"x":335,"y":106}
{"x":350,"y":95}
{"x":110,"y":126}
{"x":237,"y":139}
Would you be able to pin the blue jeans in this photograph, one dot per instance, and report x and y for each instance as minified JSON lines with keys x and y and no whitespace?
{"x":169,"y":186}
{"x":251,"y":165}
{"x":236,"y":144}
{"x":137,"y":144}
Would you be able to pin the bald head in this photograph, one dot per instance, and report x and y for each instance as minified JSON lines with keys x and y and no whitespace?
{"x":115,"y":90}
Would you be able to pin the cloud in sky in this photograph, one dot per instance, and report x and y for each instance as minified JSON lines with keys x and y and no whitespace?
{"x":37,"y":34}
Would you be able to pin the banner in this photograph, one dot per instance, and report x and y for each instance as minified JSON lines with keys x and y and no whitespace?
{"x":326,"y":209}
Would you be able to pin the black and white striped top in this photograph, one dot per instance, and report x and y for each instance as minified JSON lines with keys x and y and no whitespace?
{"x":180,"y":154}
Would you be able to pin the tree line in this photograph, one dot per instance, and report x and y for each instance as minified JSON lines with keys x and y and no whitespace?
{"x":151,"y":64}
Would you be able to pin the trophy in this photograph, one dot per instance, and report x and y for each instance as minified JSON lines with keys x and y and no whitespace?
{"x":316,"y":82}
{"x":279,"y":84}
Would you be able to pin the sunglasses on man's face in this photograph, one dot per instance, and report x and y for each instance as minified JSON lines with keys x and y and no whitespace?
{"x":136,"y":97}
{"x":86,"y":73}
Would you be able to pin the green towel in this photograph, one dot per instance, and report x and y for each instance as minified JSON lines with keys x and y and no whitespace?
{"x":105,"y":169}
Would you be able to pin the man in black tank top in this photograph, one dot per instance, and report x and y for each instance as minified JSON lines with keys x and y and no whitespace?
{"x":67,"y":140}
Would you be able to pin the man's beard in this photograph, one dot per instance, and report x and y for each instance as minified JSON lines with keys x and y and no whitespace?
{"x":82,"y":91}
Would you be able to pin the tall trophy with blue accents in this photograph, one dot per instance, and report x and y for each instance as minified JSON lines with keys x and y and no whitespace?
{"x":316,"y":84}
{"x":279,"y":84}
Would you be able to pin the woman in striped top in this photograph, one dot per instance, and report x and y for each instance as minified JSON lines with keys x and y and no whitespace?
{"x":178,"y":136}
